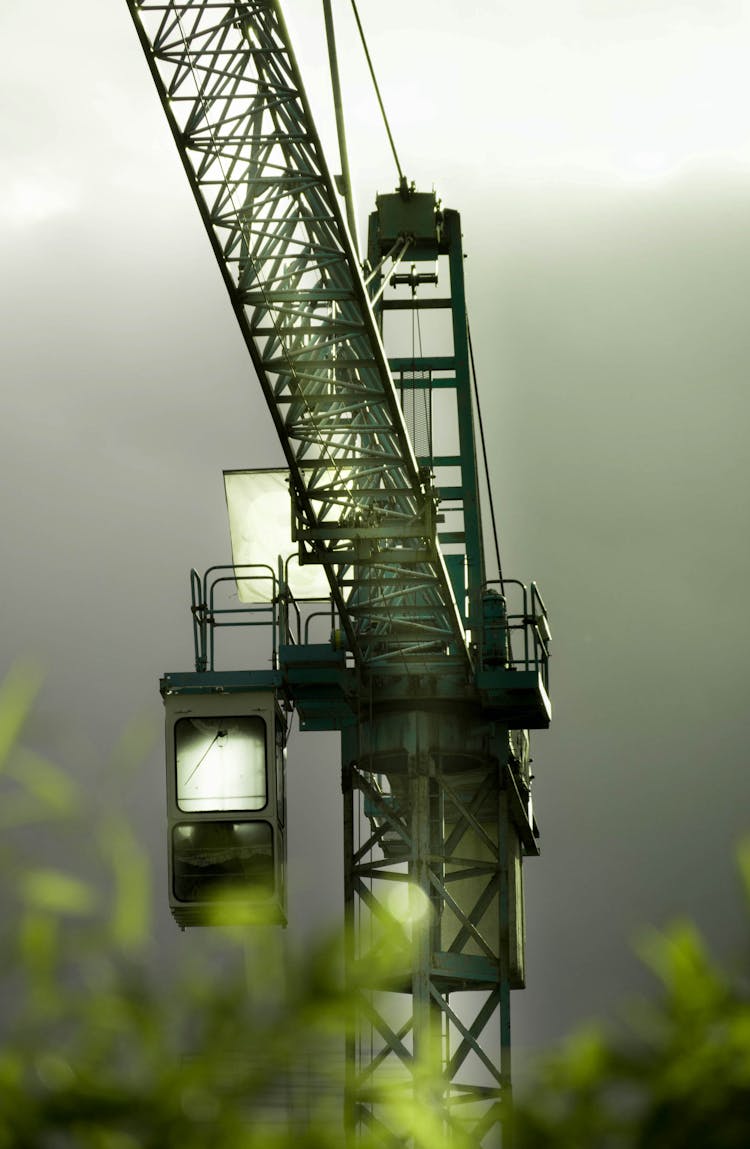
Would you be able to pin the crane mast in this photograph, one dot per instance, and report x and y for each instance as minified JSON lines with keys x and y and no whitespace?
{"x":433,"y":675}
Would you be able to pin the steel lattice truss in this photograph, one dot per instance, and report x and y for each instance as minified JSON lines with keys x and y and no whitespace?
{"x":457,"y":991}
{"x":234,"y":99}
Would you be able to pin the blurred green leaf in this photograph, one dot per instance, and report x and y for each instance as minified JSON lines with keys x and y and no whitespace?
{"x":50,"y":791}
{"x":678,"y":957}
{"x":11,"y":1071}
{"x":584,"y":1058}
{"x":39,"y":942}
{"x":134,"y":745}
{"x":17,"y":693}
{"x":130,"y":913}
{"x":743,"y":865}
{"x":57,"y":893}
{"x":39,"y":950}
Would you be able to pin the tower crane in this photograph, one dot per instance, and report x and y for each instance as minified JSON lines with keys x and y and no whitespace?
{"x":431,"y":672}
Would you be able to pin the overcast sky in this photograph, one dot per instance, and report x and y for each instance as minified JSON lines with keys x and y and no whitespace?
{"x":599,"y":153}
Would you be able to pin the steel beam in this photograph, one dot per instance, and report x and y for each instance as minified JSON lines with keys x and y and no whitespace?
{"x":431,"y":786}
{"x":234,"y":99}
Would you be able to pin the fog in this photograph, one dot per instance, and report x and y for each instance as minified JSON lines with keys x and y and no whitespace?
{"x":599,"y":159}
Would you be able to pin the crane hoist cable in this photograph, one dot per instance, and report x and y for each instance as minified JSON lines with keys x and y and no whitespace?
{"x":484,"y":454}
{"x":401,"y":176}
{"x":403,"y":184}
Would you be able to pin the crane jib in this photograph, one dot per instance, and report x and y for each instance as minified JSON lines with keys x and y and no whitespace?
{"x":234,"y":99}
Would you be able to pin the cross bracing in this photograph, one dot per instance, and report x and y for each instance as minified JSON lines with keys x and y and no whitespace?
{"x":448,"y":833}
{"x":235,"y":102}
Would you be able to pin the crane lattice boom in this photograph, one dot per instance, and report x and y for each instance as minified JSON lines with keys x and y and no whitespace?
{"x":232,"y":93}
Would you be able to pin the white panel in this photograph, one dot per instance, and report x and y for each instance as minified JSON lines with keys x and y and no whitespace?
{"x":259,"y":509}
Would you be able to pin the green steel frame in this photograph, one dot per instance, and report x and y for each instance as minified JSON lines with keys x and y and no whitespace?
{"x":441,"y":367}
{"x":431,"y":798}
{"x":428,"y":695}
{"x":232,"y":94}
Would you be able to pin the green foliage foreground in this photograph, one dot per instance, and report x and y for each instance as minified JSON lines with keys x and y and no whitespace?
{"x":675,"y":1076}
{"x":105,"y":1044}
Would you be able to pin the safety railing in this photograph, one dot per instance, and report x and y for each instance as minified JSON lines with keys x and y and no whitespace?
{"x":516,"y":635}
{"x":215,"y":604}
{"x":210,"y":611}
